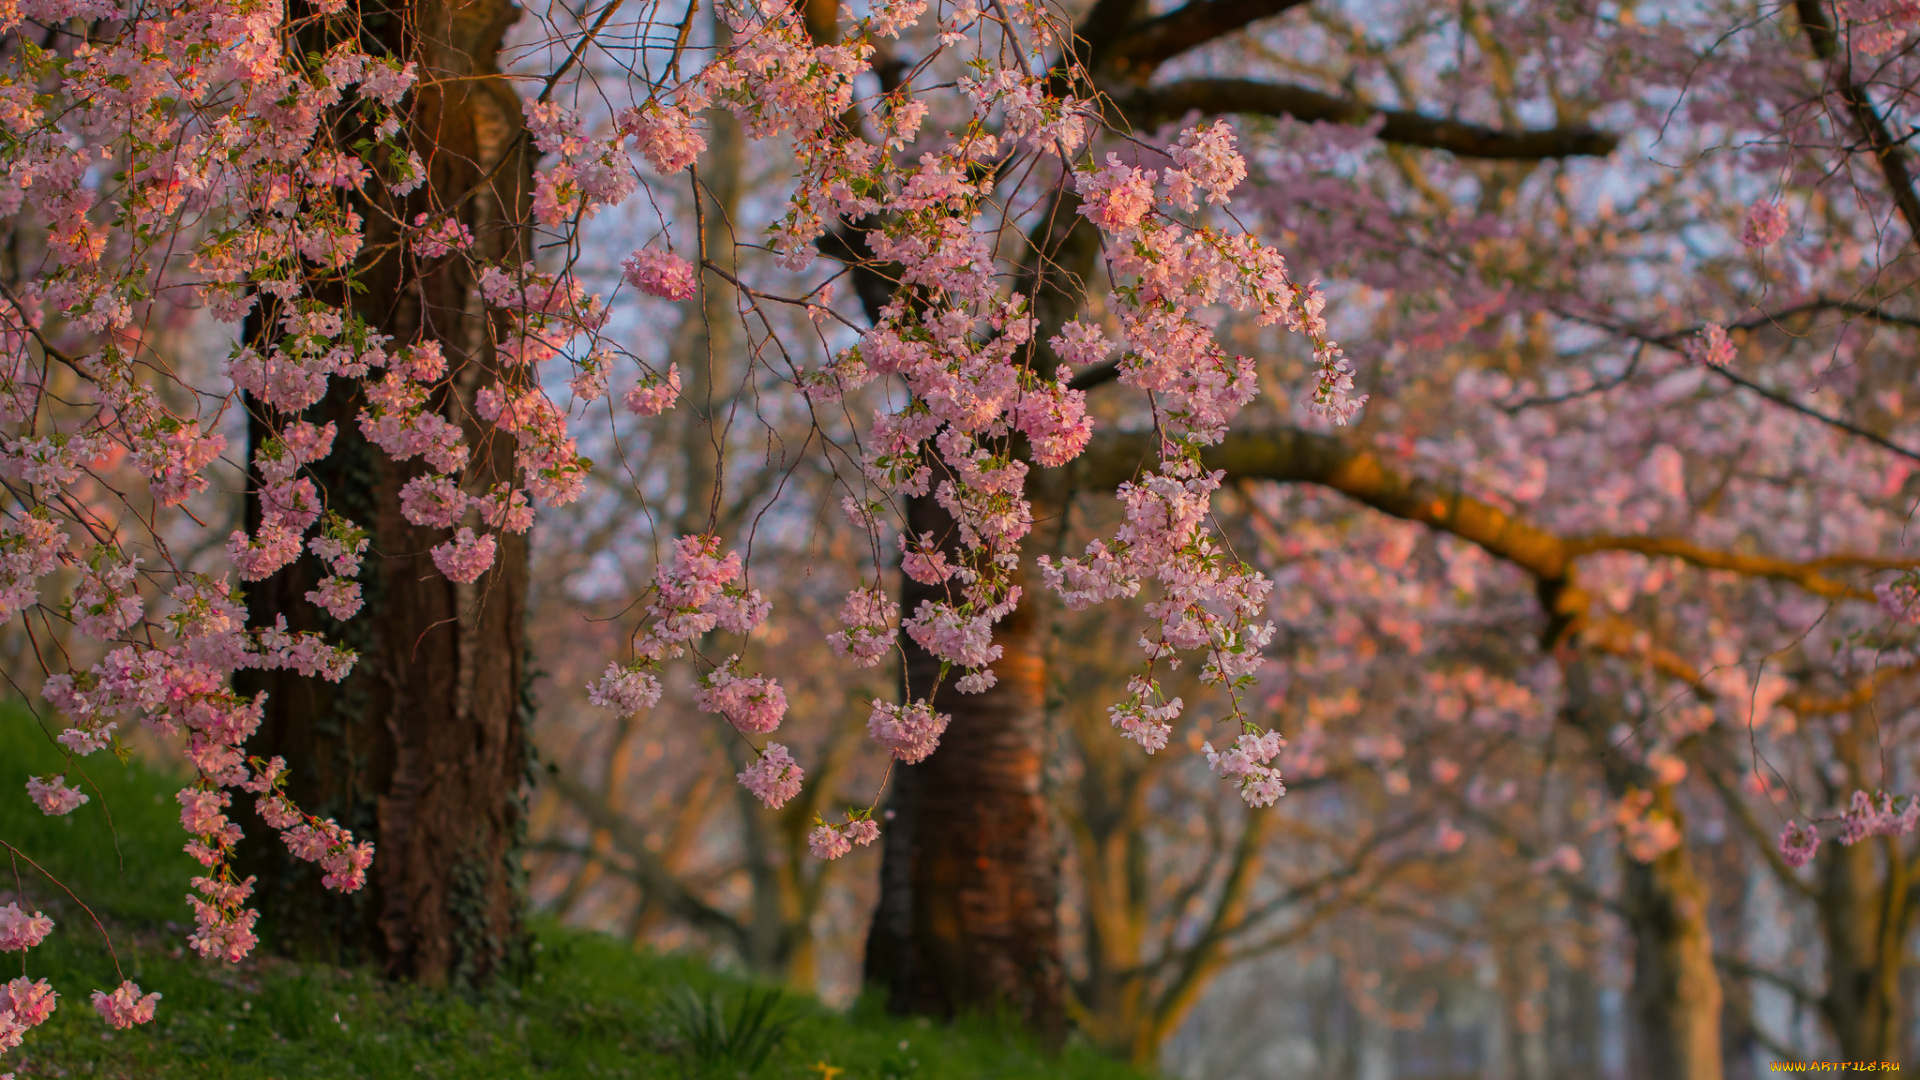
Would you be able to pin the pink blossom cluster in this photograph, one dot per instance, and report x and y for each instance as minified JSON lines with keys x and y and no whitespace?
{"x":832,"y":841}
{"x":1711,"y":346}
{"x":1878,"y":26}
{"x":753,"y":704}
{"x":31,"y":546}
{"x":343,"y":861}
{"x":1766,"y":223}
{"x":126,"y":1006}
{"x":698,"y":592}
{"x":869,"y":615}
{"x":465,"y":557}
{"x":19,"y":930}
{"x":1900,"y":598}
{"x":660,"y":273}
{"x":1245,"y":763}
{"x":27,"y":1003}
{"x":774,"y":777}
{"x":625,"y":690}
{"x":1139,"y":719}
{"x":655,"y":393}
{"x":1798,"y":843}
{"x":589,"y":175}
{"x":910,"y":733}
{"x":664,"y":134}
{"x":54,"y":797}
{"x":437,"y":239}
{"x":1889,"y":815}
{"x":24,"y":1005}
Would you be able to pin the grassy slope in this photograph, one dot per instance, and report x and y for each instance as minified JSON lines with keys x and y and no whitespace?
{"x":593,"y":1009}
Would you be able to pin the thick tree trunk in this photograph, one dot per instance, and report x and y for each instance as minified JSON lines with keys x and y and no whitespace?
{"x":1866,"y":913}
{"x":969,"y":880}
{"x":423,"y":747}
{"x":1676,"y":989}
{"x":1676,"y":996}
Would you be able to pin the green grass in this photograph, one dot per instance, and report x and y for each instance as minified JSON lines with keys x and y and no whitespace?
{"x":593,"y":1007}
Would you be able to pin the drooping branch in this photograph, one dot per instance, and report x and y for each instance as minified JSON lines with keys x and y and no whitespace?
{"x":1152,"y":106}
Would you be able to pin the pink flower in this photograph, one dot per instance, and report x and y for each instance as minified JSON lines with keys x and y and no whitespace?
{"x":1117,"y":197}
{"x":962,"y":639}
{"x":868,"y":614}
{"x":1245,"y":763}
{"x":1055,"y":421}
{"x":624,"y":691}
{"x":832,"y":841}
{"x":1711,"y":347}
{"x":260,"y":555}
{"x":339,"y":596}
{"x":754,"y":705}
{"x":446,"y":236}
{"x":910,"y":734}
{"x":828,"y":842}
{"x":665,"y":134}
{"x":659,"y":273}
{"x":773,"y":777}
{"x":924,"y":562}
{"x":1210,"y":161}
{"x":434,"y":502}
{"x":1798,"y":843}
{"x":126,"y":1006}
{"x":28,"y":1002}
{"x":201,"y":810}
{"x":1890,"y":816}
{"x":465,"y":557}
{"x":655,"y":394}
{"x":54,"y":797}
{"x":1900,"y":598}
{"x":333,"y":847}
{"x":346,"y":866}
{"x":1766,"y":224}
{"x":1081,"y":343}
{"x":19,"y":930}
{"x":1140,"y":719}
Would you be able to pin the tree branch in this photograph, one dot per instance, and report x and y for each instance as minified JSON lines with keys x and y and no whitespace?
{"x":1156,"y":41}
{"x":1154,"y":105}
{"x":1736,"y":966}
{"x":1291,"y":454}
{"x":1896,"y":163}
{"x":648,"y":871}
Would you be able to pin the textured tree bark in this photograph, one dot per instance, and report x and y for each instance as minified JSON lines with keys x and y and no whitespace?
{"x":1676,"y":989}
{"x":969,"y":881}
{"x":1676,"y":997}
{"x":1867,"y":913}
{"x":423,"y":747}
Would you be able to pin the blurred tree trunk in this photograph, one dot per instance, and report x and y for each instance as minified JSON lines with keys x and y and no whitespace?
{"x":1865,"y":901}
{"x":423,"y":747}
{"x":1676,"y":997}
{"x":969,"y":880}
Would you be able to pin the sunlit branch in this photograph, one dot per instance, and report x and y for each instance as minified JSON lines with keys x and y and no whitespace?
{"x":1151,"y":106}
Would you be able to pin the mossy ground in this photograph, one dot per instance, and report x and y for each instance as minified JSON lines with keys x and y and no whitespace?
{"x":592,"y":1008}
